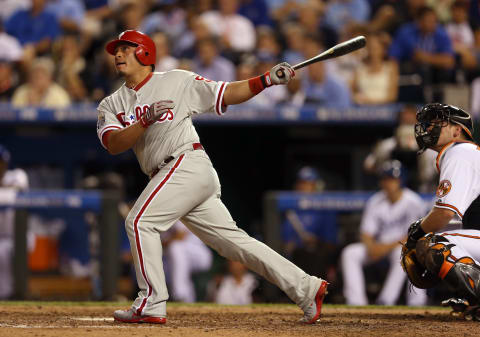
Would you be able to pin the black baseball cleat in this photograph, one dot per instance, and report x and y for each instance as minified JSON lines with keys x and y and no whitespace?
{"x":462,"y":308}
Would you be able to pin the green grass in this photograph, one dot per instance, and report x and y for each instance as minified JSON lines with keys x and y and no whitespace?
{"x":174,"y":304}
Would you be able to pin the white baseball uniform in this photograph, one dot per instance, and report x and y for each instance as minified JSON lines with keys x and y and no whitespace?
{"x":186,"y":186}
{"x":12,"y":181}
{"x":386,"y":223}
{"x":233,"y":292}
{"x":458,"y":164}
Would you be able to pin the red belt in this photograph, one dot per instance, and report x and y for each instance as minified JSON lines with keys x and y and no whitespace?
{"x":196,"y":146}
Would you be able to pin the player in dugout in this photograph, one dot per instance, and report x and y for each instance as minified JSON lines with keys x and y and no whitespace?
{"x":152,"y":114}
{"x":430,"y":255}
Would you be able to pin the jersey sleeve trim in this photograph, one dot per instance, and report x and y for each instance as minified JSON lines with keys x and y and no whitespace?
{"x":105,"y":129}
{"x":220,"y":107}
{"x":448,"y":206}
{"x":442,"y":153}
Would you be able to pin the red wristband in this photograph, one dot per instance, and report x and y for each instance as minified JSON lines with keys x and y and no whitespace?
{"x":257,"y":84}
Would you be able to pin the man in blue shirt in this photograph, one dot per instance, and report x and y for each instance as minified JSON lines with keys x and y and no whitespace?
{"x":310,"y":236}
{"x":34,"y":26}
{"x":423,"y":47}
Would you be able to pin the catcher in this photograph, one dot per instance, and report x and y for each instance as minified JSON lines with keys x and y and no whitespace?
{"x":451,"y":257}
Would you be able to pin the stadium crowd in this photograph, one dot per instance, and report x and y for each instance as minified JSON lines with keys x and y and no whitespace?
{"x":52,"y":55}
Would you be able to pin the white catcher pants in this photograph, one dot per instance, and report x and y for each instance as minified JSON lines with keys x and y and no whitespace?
{"x":355,"y":257}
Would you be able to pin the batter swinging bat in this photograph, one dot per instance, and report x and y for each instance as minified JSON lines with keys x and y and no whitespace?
{"x":336,"y":51}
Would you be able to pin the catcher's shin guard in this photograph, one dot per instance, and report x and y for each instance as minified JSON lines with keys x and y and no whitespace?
{"x":462,"y":275}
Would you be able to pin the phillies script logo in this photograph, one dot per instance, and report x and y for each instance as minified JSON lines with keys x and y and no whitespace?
{"x":443,"y":188}
{"x":138,"y":111}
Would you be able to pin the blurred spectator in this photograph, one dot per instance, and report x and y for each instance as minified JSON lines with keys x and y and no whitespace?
{"x":103,"y":78}
{"x":11,"y":52}
{"x":475,"y":89}
{"x":9,"y":7}
{"x":185,"y":254}
{"x":236,"y":287}
{"x":443,"y":8}
{"x":256,"y":11}
{"x":458,"y":28}
{"x":462,"y":38}
{"x":131,"y":15}
{"x":235,"y":31}
{"x":324,"y":90}
{"x":11,"y":181}
{"x":339,"y":14}
{"x":294,"y":35}
{"x":72,"y":68}
{"x":419,"y":170}
{"x":10,"y":48}
{"x":267,"y":41}
{"x":375,"y":81}
{"x":310,"y":236}
{"x":474,"y":12}
{"x":385,"y":221}
{"x":96,"y":12}
{"x":8,"y":80}
{"x":185,"y":64}
{"x":35,"y":27}
{"x":423,"y":48}
{"x":389,"y":15}
{"x":70,"y":14}
{"x":319,"y":83}
{"x":210,"y":65}
{"x":168,"y":18}
{"x":310,"y":17}
{"x":184,"y":47}
{"x":40,"y":90}
{"x":165,"y":61}
{"x":284,"y":10}
{"x":343,"y":68}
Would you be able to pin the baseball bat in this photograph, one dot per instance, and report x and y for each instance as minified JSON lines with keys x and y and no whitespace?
{"x":336,"y":51}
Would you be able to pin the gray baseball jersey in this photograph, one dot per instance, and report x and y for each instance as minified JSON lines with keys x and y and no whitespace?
{"x":190,"y":93}
{"x":186,"y":188}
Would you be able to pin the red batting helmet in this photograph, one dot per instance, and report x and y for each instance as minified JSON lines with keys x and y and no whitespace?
{"x":145,"y":51}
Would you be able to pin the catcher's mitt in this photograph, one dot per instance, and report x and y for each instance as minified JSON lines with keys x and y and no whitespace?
{"x":418,"y":275}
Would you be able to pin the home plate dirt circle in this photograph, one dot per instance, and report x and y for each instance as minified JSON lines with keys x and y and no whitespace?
{"x":95,"y":319}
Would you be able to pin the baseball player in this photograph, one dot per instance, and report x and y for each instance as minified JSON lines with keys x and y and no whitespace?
{"x":152,"y":114}
{"x":452,"y":256}
{"x":387,"y":215}
{"x":11,"y":181}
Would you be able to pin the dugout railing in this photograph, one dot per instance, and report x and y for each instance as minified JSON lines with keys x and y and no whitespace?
{"x":104,"y":204}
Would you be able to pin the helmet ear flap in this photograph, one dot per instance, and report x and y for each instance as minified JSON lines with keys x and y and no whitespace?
{"x":141,"y":54}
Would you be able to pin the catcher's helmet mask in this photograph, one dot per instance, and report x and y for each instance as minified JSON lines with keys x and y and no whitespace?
{"x":433,"y":117}
{"x":145,"y":50}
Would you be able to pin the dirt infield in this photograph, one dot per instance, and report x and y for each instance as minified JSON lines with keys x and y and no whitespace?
{"x":94,"y":319}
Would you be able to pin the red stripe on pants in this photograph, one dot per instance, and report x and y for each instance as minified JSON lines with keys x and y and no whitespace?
{"x":135,"y":228}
